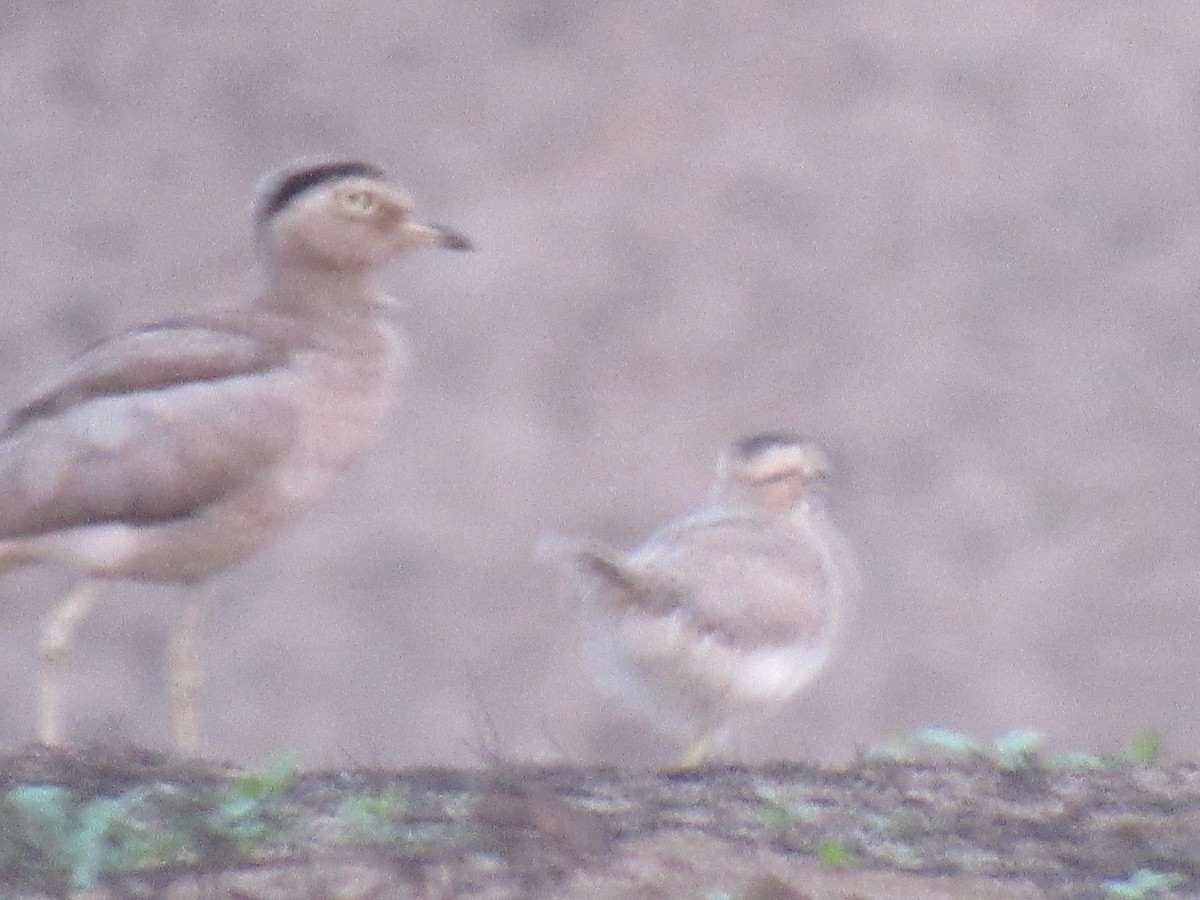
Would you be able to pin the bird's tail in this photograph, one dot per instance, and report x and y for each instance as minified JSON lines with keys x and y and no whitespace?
{"x":595,"y":569}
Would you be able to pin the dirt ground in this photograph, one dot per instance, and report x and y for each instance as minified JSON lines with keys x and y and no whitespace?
{"x":956,"y":242}
{"x":902,"y":830}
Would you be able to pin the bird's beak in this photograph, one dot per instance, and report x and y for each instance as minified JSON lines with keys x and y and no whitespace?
{"x":436,"y":236}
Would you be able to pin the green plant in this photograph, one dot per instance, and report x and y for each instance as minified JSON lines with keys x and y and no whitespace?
{"x":62,"y":844}
{"x":949,"y":741}
{"x":896,"y":751}
{"x":251,"y":807}
{"x":1015,"y":750}
{"x":834,"y":854}
{"x":1145,"y":750}
{"x":1143,"y":884}
{"x":774,"y":812}
{"x":375,"y":820}
{"x":1074,"y":759}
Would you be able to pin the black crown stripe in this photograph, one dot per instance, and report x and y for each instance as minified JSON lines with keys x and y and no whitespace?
{"x":293,"y":184}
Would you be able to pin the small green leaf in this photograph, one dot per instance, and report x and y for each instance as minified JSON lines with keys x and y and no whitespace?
{"x":1076,"y":760}
{"x":1145,"y":749}
{"x":834,"y":854}
{"x":1018,"y":748}
{"x":950,"y":741}
{"x":44,"y":815}
{"x":894,"y":751}
{"x":1143,"y":884}
{"x":375,"y":819}
{"x":273,"y":781}
{"x":45,"y":806}
{"x":92,"y":848}
{"x":774,"y":816}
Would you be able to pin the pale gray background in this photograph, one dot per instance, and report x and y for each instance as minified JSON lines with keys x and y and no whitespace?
{"x":955,"y":241}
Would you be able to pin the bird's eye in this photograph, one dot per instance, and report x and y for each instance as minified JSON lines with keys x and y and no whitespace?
{"x":360,"y":203}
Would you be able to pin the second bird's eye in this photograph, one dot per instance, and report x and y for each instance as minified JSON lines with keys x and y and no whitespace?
{"x":360,"y":202}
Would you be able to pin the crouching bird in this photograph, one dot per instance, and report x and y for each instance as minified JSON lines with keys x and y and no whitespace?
{"x":178,"y":449}
{"x":731,"y":608}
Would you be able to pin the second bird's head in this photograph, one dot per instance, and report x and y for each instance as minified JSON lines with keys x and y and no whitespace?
{"x":344,"y":215}
{"x":773,"y":473}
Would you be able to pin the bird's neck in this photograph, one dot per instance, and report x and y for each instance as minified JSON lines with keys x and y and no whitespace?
{"x":775,"y":501}
{"x":312,"y":289}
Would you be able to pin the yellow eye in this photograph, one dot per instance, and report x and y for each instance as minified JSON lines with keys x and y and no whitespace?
{"x":360,"y":203}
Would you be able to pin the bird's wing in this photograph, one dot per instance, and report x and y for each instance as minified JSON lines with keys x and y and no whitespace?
{"x":746,"y":580}
{"x":599,"y":573}
{"x":151,"y":426}
{"x":594,"y":567}
{"x":147,"y":359}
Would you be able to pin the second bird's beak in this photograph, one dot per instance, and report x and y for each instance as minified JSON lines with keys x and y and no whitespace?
{"x":437,"y":236}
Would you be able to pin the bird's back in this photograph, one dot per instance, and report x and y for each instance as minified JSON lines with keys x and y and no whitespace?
{"x":752,"y":581}
{"x":176,"y":449}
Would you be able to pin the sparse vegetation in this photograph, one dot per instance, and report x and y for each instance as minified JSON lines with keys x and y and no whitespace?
{"x":61,"y":844}
{"x":57,"y":842}
{"x":250,"y":810}
{"x":375,"y":820}
{"x":1143,"y":885}
{"x":1013,"y":751}
{"x":834,"y":854}
{"x":992,"y":811}
{"x":774,"y":812}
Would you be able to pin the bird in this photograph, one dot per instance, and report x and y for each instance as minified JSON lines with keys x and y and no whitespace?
{"x":732,"y":608}
{"x":174,"y":450}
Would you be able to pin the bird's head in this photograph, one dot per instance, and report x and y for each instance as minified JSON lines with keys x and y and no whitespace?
{"x":771,"y":472}
{"x":342,"y":215}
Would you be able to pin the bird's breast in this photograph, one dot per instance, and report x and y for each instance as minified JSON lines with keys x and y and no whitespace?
{"x":342,"y":393}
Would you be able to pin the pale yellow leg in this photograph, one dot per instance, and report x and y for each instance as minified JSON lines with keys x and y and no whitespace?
{"x":696,"y":754}
{"x":57,"y":639}
{"x":185,"y":673}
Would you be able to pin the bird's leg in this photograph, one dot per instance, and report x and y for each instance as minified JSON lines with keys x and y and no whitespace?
{"x":185,"y":673}
{"x":696,"y":754}
{"x":57,"y":638}
{"x":709,"y":740}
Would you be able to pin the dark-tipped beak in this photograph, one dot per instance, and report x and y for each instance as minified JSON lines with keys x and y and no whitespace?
{"x":438,"y":236}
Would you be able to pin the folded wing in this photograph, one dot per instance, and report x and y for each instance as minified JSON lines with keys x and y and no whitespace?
{"x":152,"y":426}
{"x":746,"y":581}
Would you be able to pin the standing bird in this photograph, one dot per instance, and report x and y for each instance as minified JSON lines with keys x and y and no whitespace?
{"x":733,"y":607}
{"x":176,"y":450}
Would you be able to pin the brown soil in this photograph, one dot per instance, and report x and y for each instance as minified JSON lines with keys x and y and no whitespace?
{"x":900,"y":830}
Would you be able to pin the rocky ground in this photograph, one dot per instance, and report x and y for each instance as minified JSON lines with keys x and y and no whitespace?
{"x":106,"y":824}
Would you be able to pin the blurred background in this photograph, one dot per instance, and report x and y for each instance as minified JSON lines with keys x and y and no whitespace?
{"x":956,"y":242}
